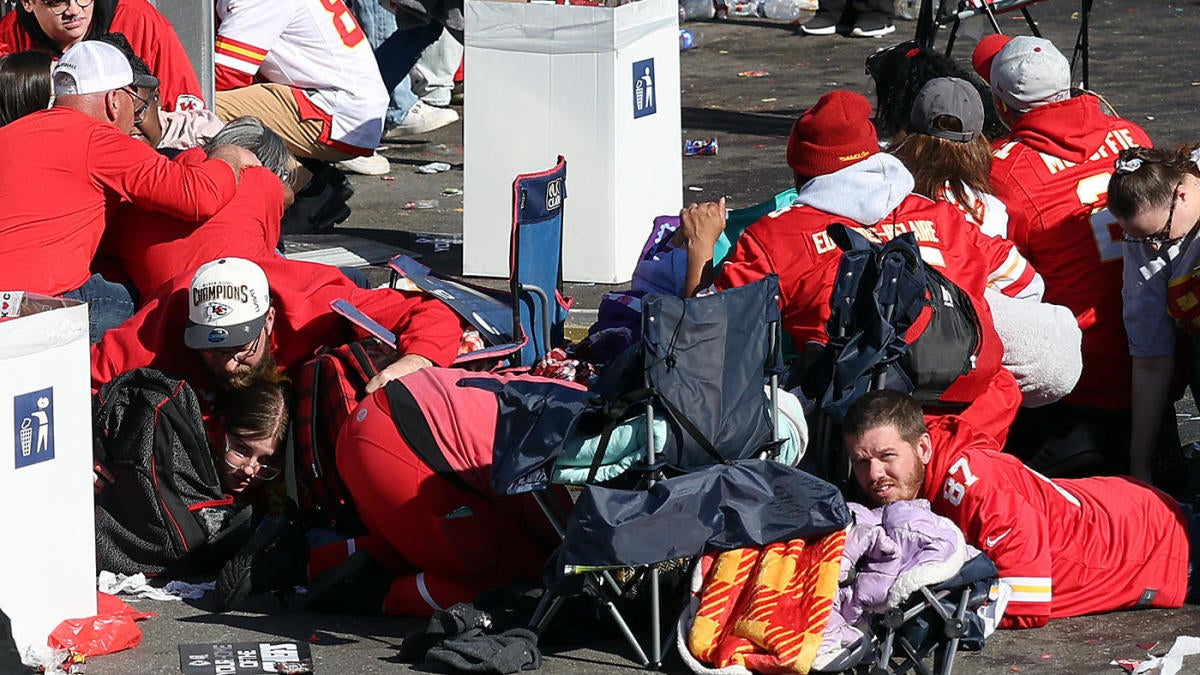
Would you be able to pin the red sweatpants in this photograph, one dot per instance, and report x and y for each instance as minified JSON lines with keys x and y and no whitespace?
{"x":462,"y":543}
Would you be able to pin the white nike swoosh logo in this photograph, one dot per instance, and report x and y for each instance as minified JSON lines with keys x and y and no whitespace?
{"x":992,"y":541}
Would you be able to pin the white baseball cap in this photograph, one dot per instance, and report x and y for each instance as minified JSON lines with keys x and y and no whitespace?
{"x":227,"y":304}
{"x":1029,"y":72}
{"x":90,"y":67}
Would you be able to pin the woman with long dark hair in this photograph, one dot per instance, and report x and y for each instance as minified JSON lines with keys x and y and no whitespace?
{"x":24,"y":84}
{"x":53,"y":26}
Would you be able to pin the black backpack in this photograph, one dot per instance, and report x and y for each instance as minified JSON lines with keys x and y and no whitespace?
{"x":880,"y":291}
{"x":166,"y":512}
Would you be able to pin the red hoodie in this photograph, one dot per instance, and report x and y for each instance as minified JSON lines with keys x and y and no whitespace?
{"x":300,"y":293}
{"x":1053,"y":169}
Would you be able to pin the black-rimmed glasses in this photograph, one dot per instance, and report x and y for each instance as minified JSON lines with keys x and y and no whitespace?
{"x":139,"y":111}
{"x":1163,"y":236}
{"x":59,"y":7}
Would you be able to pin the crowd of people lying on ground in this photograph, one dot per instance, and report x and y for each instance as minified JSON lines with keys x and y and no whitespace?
{"x":1054,"y":448}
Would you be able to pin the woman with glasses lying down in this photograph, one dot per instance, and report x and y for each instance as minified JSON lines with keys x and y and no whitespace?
{"x":1155,"y":196}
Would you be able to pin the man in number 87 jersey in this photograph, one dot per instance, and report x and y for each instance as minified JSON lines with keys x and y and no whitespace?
{"x":305,"y":68}
{"x":1052,"y":173}
{"x":1064,"y":547}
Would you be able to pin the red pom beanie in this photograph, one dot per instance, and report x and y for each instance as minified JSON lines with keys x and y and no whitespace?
{"x":985,"y":52}
{"x":831,"y":135}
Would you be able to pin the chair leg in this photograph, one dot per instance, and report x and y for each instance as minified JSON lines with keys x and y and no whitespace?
{"x":655,"y":619}
{"x":1033,"y":28}
{"x":629,"y":636}
{"x":547,"y":607}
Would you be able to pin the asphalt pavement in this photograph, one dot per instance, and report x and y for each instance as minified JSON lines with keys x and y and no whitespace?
{"x":1144,"y":60}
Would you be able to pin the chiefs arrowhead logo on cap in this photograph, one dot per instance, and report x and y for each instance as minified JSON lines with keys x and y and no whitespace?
{"x":216,"y":310}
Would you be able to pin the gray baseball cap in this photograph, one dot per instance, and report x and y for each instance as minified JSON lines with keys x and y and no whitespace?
{"x":948,"y":97}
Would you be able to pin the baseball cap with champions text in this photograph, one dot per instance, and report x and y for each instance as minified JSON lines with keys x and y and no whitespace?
{"x":227,"y":304}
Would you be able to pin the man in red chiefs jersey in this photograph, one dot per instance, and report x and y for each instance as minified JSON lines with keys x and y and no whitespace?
{"x":1065,"y":547}
{"x":842,"y":177}
{"x":1053,"y":169}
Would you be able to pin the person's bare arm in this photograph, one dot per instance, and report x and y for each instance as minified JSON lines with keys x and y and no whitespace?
{"x":409,"y":363}
{"x":700,"y":227}
{"x":1151,"y":381}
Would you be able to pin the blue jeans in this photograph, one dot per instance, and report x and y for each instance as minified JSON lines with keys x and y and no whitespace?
{"x":109,"y":304}
{"x":396,"y":52}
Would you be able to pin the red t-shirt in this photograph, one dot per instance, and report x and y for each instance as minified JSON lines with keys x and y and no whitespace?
{"x":60,"y":171}
{"x":154,"y":249}
{"x":153,"y":40}
{"x":1053,"y":169}
{"x":793,"y":244}
{"x":300,"y":293}
{"x":1066,"y":547}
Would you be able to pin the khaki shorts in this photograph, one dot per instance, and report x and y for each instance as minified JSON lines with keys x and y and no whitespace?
{"x":276,"y":106}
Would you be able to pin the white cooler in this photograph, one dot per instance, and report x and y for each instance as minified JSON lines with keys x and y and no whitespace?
{"x":599,"y":86}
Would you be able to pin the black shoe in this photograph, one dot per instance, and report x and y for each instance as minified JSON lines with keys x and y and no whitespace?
{"x":822,"y":23}
{"x":873,"y":26}
{"x":318,"y":207}
{"x":357,"y":586}
{"x":275,"y":558}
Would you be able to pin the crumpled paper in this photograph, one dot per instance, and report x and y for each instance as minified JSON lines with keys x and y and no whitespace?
{"x":137,"y":586}
{"x":1171,"y":662}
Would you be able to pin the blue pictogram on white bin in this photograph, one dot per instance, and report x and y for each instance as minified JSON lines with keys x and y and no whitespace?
{"x":33,"y":422}
{"x":645,"y":96}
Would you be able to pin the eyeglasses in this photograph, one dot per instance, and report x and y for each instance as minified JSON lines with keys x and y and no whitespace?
{"x":1163,"y":236}
{"x":236,"y":459}
{"x":139,"y":112}
{"x":60,"y":7}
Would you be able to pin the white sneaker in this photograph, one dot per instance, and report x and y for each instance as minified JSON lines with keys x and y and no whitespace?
{"x":421,"y":119}
{"x":374,"y":164}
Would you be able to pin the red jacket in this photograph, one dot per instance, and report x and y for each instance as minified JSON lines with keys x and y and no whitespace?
{"x":153,"y":249}
{"x":300,"y":293}
{"x":793,"y":244}
{"x":1053,"y":169}
{"x":153,"y":40}
{"x":60,"y":173}
{"x":1066,"y":547}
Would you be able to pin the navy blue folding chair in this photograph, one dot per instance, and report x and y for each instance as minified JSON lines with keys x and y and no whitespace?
{"x":523,"y":323}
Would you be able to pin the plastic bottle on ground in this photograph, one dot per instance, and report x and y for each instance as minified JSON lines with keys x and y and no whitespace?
{"x":696,"y":10}
{"x":783,"y":10}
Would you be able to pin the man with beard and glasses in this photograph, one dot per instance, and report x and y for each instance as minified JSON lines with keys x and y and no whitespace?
{"x":1066,"y":547}
{"x":235,"y":320}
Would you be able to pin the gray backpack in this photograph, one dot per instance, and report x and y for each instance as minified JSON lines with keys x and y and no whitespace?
{"x":166,"y":511}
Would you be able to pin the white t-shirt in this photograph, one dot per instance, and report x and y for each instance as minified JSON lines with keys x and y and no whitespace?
{"x":315,"y":46}
{"x":1156,"y":281}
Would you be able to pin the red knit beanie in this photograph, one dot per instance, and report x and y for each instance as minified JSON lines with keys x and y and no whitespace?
{"x":831,"y":135}
{"x":985,"y":52}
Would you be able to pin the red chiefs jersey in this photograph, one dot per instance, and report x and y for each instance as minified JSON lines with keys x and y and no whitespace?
{"x":793,"y":244}
{"x":152,"y":39}
{"x":1066,"y":547}
{"x":1054,"y":169}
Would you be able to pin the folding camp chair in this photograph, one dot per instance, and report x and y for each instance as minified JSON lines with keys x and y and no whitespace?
{"x":951,"y":13}
{"x":526,"y":321}
{"x":702,"y":364}
{"x":937,"y":620}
